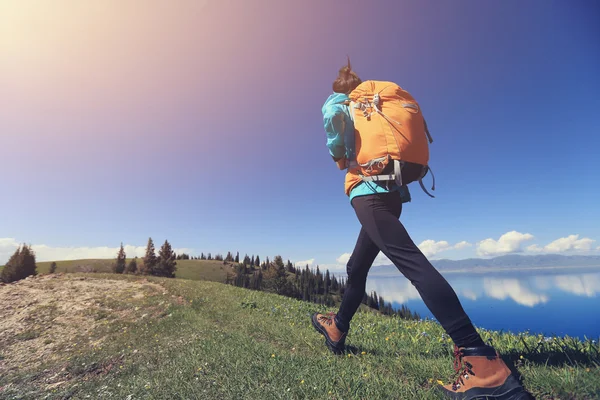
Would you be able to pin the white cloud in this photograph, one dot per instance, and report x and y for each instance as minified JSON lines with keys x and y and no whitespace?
{"x":514,"y":289}
{"x":534,"y":248}
{"x":49,"y":253}
{"x":462,"y":245}
{"x":343,"y":259}
{"x":305,"y":262}
{"x":430,"y":247}
{"x":571,"y":243}
{"x":508,"y":243}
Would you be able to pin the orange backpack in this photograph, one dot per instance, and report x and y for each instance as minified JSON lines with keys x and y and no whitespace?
{"x":391,"y":136}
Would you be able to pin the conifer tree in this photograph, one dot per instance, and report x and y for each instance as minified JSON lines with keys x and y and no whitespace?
{"x":20,"y":265}
{"x":119,"y":264}
{"x":166,"y":264}
{"x":290,"y":267}
{"x":132,"y":266}
{"x":278,"y":261}
{"x":149,"y":260}
{"x":259,"y":280}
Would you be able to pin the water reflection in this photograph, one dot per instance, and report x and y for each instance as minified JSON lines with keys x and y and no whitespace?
{"x":395,"y":290}
{"x":518,"y":291}
{"x":526,"y":290}
{"x":580,"y":285}
{"x":551,"y":302}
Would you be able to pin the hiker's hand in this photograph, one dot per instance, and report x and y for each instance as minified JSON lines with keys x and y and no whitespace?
{"x":341,"y":163}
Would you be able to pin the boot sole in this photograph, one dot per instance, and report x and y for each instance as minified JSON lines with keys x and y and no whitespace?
{"x":511,"y":389}
{"x":335,"y":349}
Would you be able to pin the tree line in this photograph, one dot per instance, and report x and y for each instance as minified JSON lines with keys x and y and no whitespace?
{"x":304,"y":284}
{"x":163,"y":265}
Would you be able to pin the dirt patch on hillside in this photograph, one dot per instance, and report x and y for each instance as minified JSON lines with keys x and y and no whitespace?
{"x":42,"y":317}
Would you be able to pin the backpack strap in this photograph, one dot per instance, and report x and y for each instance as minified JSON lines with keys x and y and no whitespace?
{"x":351,"y":105}
{"x":421,"y":181}
{"x":427,"y":131}
{"x":398,"y":172}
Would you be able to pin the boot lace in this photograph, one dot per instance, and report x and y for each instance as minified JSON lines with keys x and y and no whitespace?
{"x":461,"y":374}
{"x":327,"y":318}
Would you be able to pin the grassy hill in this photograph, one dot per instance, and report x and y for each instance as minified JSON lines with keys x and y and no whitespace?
{"x":206,"y":270}
{"x":188,"y":339}
{"x":186,"y":269}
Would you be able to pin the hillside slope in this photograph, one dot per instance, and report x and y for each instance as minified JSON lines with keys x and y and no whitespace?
{"x":158,"y":338}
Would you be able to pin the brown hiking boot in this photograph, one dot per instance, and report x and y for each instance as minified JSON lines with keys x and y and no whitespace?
{"x":482,"y":374}
{"x":325,"y":325}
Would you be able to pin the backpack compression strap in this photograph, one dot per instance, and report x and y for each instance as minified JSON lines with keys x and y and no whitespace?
{"x":397,"y":177}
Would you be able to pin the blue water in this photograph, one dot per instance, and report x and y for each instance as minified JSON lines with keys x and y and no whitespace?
{"x":550,"y":302}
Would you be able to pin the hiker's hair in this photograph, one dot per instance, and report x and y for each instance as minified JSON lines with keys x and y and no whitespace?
{"x":347,"y":80}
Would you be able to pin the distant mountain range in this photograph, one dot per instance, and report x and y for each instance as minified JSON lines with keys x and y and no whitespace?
{"x":512,"y":261}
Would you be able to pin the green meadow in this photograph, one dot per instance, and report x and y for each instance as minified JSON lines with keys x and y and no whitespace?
{"x":161,"y":338}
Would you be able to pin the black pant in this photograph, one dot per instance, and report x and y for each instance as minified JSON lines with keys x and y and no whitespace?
{"x":382,"y":231}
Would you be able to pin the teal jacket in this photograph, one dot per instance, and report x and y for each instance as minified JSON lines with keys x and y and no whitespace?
{"x":340,"y":142}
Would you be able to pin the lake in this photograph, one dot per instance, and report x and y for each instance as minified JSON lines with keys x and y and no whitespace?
{"x":553,"y":302}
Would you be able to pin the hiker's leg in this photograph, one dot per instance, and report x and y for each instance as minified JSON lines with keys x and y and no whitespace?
{"x":379,"y":217}
{"x":358,"y":266}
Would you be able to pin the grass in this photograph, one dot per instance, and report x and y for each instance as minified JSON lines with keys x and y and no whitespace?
{"x":211,"y":270}
{"x":224,"y":342}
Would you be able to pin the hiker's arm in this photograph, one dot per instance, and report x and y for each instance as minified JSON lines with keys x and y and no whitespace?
{"x":333,"y":120}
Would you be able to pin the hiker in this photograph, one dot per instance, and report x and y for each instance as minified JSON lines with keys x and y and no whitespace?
{"x":369,"y":125}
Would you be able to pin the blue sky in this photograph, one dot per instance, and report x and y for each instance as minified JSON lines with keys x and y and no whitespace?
{"x":207,"y":130}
